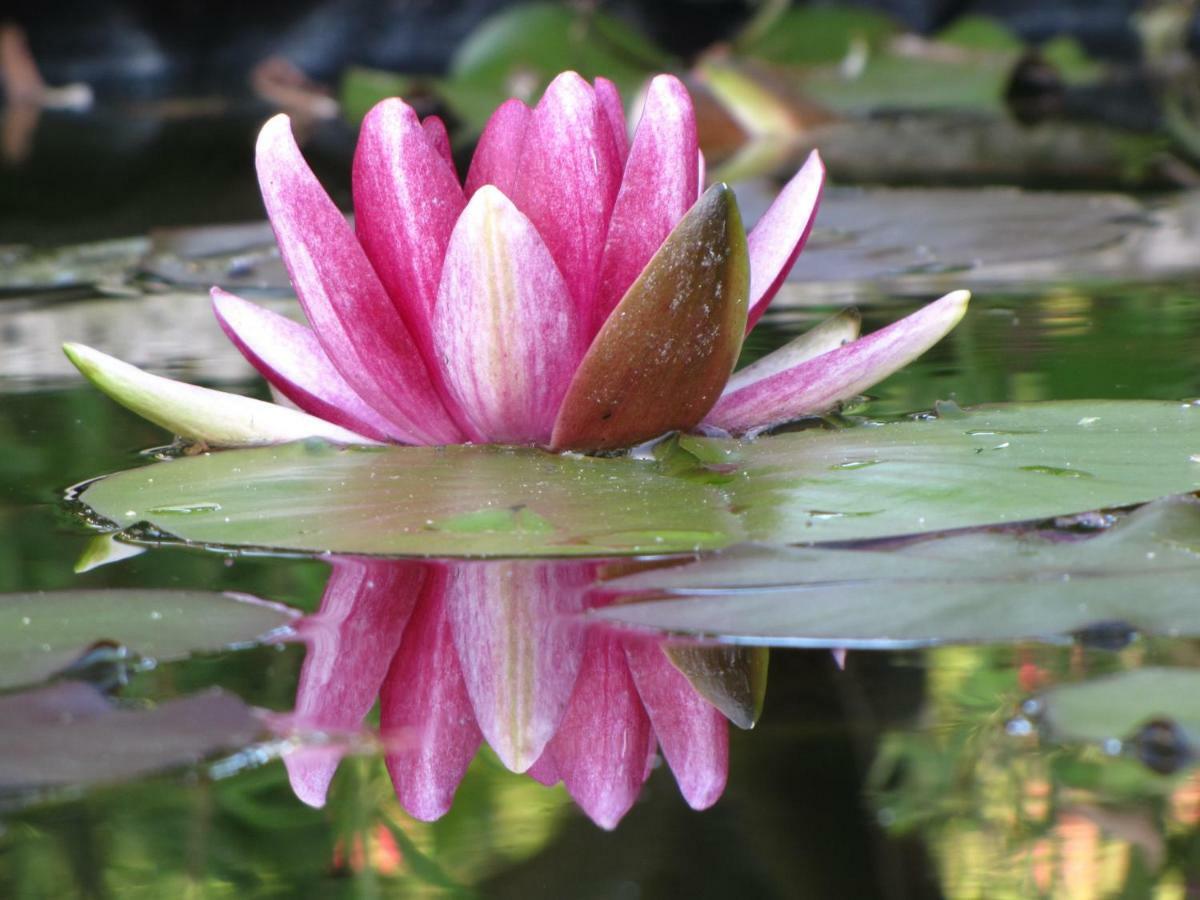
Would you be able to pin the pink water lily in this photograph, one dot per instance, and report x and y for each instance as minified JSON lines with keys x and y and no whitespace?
{"x":579,"y":291}
{"x":467,"y":652}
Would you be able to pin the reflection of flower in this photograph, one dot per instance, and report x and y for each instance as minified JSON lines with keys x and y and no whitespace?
{"x":465,"y":652}
{"x":578,"y":292}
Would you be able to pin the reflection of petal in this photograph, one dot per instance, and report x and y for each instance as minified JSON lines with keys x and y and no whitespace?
{"x":425,"y":713}
{"x":692,"y":732}
{"x":520,"y":654}
{"x":351,"y":641}
{"x":601,"y":748}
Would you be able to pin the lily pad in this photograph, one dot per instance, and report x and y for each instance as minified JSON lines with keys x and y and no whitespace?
{"x":451,"y":501}
{"x":44,"y":633}
{"x":1138,"y":576}
{"x":69,"y":734}
{"x":1117,"y":707}
{"x":983,"y":467}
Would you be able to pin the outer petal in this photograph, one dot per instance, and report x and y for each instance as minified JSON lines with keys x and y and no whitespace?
{"x":291,"y":358}
{"x":663,"y":356}
{"x":567,"y":181}
{"x":425,"y":713}
{"x":201,"y":414}
{"x":693,"y":734}
{"x":834,"y":332}
{"x":507,"y":337}
{"x":600,"y":749}
{"x":499,"y":149}
{"x":351,"y":641}
{"x":439,"y":140}
{"x":520,"y":651}
{"x":781,"y":233}
{"x":406,"y":201}
{"x":349,"y":310}
{"x":609,"y":99}
{"x":658,"y":187}
{"x":816,"y":385}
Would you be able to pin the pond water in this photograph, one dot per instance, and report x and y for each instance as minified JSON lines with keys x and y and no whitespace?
{"x":963,"y":769}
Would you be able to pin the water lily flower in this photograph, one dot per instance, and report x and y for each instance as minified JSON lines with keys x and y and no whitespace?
{"x":577,"y":291}
{"x":466,"y":652}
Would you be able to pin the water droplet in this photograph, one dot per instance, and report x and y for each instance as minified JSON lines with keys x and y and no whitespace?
{"x":1018,"y":726}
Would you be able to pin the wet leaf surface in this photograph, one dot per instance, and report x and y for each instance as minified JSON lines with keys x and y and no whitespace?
{"x":1138,"y":577}
{"x":454,"y":501}
{"x":43,"y":633}
{"x":983,"y":467}
{"x":70,"y":734}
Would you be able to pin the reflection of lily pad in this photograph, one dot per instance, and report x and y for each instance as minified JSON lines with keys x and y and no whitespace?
{"x":993,"y":465}
{"x":1118,"y":706}
{"x":1138,"y":576}
{"x":43,"y":633}
{"x":69,"y":734}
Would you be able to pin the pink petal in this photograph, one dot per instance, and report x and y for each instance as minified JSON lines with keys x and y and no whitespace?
{"x":347,"y":306}
{"x":519,"y":648}
{"x":658,"y":187}
{"x":425,"y":713}
{"x":600,"y":748}
{"x":836,"y":331}
{"x":781,"y":233}
{"x":609,"y":99}
{"x":567,"y":181}
{"x":499,"y":149}
{"x":439,"y":139}
{"x":818,"y":384}
{"x":351,"y":641}
{"x":406,"y":201}
{"x":507,"y":336}
{"x":291,"y":358}
{"x":693,"y":734}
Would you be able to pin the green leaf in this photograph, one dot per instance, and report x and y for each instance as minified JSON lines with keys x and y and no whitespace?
{"x":1138,"y":576}
{"x":996,"y":464}
{"x":451,"y":501}
{"x":991,"y":465}
{"x":44,"y":633}
{"x":1117,"y":706}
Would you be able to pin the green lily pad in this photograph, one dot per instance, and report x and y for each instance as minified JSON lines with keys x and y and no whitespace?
{"x":44,"y":633}
{"x":1138,"y":576}
{"x":1114,"y":708}
{"x":983,"y":467}
{"x":452,"y":501}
